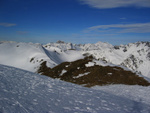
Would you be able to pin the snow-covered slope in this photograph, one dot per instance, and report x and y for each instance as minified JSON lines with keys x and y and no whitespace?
{"x":29,"y":56}
{"x":26,"y":56}
{"x":136,"y":93}
{"x":26,"y":92}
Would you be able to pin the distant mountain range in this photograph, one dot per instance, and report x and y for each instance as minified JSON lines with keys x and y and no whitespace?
{"x":133,"y":57}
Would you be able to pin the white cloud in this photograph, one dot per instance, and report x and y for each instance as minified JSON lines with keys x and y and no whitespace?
{"x":103,"y":4}
{"x":7,"y":24}
{"x":121,"y":28}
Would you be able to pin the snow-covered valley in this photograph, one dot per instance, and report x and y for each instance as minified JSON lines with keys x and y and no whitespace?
{"x":25,"y":92}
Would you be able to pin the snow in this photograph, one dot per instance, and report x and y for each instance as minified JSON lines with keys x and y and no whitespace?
{"x":20,"y":55}
{"x":109,"y":73}
{"x":63,"y":71}
{"x":67,"y":65}
{"x":133,"y":56}
{"x":107,"y":53}
{"x":71,"y":56}
{"x":26,"y":92}
{"x":81,"y":75}
{"x":29,"y":56}
{"x":135,"y":93}
{"x":90,"y":64}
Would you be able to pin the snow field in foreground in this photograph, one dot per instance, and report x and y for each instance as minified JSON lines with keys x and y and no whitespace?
{"x":26,"y":92}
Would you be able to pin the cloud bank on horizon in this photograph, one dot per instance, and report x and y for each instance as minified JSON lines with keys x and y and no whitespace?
{"x":104,"y":4}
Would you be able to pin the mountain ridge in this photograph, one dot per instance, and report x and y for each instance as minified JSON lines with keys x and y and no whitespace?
{"x":134,"y":56}
{"x":89,"y":73}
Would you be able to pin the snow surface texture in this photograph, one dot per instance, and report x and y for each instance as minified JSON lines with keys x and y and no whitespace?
{"x":135,"y":93}
{"x":28,"y":56}
{"x":26,"y":92}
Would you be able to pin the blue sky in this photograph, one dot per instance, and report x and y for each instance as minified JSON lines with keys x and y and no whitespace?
{"x":76,"y":21}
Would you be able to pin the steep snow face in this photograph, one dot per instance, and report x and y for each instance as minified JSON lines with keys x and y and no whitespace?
{"x":138,"y":57}
{"x":26,"y":56}
{"x":26,"y":92}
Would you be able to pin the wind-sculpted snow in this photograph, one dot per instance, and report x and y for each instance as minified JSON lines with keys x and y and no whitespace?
{"x":26,"y":92}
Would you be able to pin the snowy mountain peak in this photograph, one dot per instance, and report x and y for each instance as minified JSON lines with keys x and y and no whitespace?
{"x":104,"y":44}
